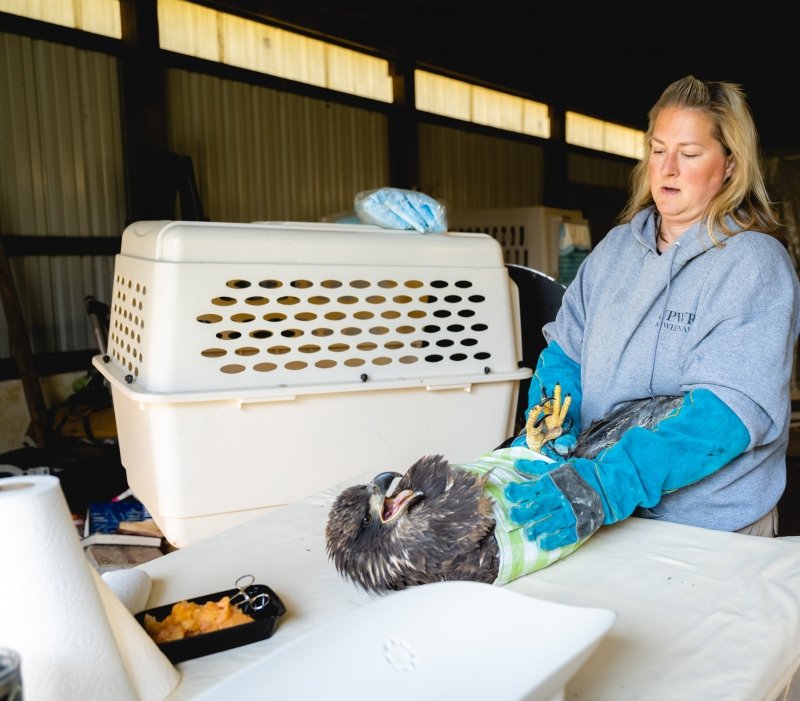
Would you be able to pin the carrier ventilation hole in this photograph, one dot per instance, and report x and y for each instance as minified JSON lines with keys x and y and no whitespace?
{"x":265,"y":367}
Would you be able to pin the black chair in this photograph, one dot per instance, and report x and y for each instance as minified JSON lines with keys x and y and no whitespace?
{"x":539,"y":301}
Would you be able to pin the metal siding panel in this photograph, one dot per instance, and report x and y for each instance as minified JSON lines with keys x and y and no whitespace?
{"x":21,"y":186}
{"x":62,"y":175}
{"x":51,"y":293}
{"x":598,"y":171}
{"x":105,"y":177}
{"x":474,"y":171}
{"x":261,"y":154}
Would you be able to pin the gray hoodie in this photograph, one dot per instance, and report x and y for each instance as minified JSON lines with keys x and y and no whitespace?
{"x":722,"y":317}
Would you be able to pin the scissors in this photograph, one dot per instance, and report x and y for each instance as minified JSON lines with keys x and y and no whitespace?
{"x":242,"y":598}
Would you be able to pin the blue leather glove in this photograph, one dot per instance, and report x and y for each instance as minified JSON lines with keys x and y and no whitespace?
{"x":393,"y":208}
{"x":553,"y":368}
{"x":563,"y":505}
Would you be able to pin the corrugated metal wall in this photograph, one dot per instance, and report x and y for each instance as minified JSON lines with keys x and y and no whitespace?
{"x":260,"y":154}
{"x":60,"y":174}
{"x":598,"y":171}
{"x":470,"y":171}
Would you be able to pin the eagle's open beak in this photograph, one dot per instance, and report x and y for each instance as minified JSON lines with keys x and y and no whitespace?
{"x":393,"y":506}
{"x":383,"y":481}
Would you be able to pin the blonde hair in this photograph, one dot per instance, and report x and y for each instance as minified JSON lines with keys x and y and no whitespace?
{"x":743,"y":197}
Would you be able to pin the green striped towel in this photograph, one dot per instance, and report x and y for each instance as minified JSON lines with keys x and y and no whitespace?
{"x":518,"y":555}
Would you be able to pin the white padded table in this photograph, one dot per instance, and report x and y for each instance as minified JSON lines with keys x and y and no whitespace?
{"x":701,"y":614}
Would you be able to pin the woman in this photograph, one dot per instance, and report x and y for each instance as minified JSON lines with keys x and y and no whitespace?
{"x":689,"y":296}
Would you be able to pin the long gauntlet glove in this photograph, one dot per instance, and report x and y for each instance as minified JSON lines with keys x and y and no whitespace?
{"x":572,"y":501}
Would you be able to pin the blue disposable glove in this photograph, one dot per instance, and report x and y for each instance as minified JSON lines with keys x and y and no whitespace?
{"x":561,"y":506}
{"x":555,"y":367}
{"x":393,"y":208}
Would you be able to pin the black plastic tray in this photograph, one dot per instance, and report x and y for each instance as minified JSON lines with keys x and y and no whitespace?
{"x":266,"y":620}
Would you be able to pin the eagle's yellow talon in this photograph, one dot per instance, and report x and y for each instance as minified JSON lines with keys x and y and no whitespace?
{"x":553,"y":411}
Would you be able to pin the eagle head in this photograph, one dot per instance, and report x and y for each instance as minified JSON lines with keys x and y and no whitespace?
{"x":361,"y":530}
{"x":434,"y":525}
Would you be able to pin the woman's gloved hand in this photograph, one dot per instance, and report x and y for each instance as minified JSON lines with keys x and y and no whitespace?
{"x":561,"y":505}
{"x":557,"y":507}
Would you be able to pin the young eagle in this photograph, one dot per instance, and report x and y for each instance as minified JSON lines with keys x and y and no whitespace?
{"x":440,"y":522}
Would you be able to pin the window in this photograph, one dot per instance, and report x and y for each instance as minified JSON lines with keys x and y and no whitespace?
{"x":603,"y":136}
{"x":472,"y":103}
{"x":198,"y":31}
{"x":96,"y":16}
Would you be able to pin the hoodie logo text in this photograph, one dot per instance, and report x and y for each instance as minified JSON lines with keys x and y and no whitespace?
{"x":676,"y":321}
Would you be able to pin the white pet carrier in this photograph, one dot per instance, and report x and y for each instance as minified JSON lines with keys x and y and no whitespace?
{"x":253,"y":364}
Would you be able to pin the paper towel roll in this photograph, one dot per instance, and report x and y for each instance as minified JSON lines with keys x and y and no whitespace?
{"x":77,"y":641}
{"x":131,"y":586}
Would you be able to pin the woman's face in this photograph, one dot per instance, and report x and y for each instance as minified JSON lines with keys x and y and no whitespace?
{"x":687,"y":166}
